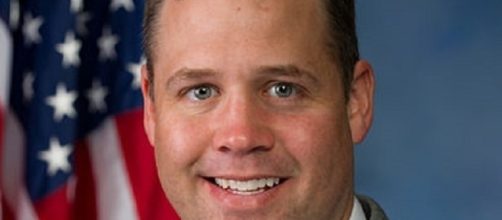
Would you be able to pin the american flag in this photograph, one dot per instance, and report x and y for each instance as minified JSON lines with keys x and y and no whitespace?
{"x":71,"y":132}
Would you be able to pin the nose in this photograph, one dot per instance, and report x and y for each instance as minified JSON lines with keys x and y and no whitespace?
{"x":242,"y":128}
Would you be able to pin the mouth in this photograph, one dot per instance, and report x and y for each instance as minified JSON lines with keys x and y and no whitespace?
{"x":246,"y":187}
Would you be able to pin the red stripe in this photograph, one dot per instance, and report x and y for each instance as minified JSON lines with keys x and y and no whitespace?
{"x":7,"y":212}
{"x":54,"y":206}
{"x":84,"y":206}
{"x":140,"y":163}
{"x":2,"y":125}
{"x":1,"y":122}
{"x":2,"y":200}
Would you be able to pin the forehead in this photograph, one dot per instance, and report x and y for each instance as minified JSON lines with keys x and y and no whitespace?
{"x":291,"y":10}
{"x":237,"y":27}
{"x":277,"y":7}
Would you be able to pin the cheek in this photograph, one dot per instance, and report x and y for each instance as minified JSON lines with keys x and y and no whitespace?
{"x":322,"y":147}
{"x":321,"y":144}
{"x":179,"y":143}
{"x":314,"y":135}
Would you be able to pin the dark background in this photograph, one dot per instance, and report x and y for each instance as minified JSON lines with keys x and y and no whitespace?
{"x":435,"y":146}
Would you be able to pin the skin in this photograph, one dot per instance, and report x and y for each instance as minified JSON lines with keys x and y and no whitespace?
{"x":241,"y":51}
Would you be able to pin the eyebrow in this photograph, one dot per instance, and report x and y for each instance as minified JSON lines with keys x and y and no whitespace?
{"x":189,"y":74}
{"x":288,"y":71}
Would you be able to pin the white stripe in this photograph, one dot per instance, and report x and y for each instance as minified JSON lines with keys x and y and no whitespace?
{"x":114,"y":194}
{"x":25,"y":210}
{"x":5,"y":62}
{"x":13,"y":169}
{"x":12,"y":185}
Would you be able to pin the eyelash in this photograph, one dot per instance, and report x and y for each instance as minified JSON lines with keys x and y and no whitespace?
{"x":298,"y":90}
{"x":189,"y":90}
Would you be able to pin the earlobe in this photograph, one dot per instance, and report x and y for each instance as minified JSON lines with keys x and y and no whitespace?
{"x":360,"y":105}
{"x":149,"y":108}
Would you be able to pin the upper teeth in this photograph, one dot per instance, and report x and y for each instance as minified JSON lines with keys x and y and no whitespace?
{"x":248,"y":185}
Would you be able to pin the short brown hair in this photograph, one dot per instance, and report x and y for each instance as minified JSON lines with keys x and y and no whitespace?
{"x":341,"y":25}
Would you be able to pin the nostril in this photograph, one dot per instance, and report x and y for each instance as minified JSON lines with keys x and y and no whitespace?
{"x":260,"y":148}
{"x":245,"y":150}
{"x":224,"y":149}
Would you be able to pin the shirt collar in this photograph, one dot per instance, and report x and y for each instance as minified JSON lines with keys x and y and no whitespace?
{"x":357,"y":211}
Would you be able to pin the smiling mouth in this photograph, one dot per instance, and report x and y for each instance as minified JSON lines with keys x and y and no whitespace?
{"x":246,"y":187}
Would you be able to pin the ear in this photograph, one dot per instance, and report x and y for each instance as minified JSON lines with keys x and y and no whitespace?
{"x":360,"y":105}
{"x":148,"y":108}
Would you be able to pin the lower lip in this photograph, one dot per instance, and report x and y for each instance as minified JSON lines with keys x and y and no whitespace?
{"x":234,"y":201}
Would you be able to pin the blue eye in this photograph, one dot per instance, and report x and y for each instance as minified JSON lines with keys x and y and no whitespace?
{"x":282,"y":90}
{"x":200,"y":93}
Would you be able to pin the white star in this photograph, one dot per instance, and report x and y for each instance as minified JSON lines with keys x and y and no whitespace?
{"x":28,"y":86}
{"x":76,"y":5}
{"x":82,"y":19}
{"x":135,"y":70}
{"x":31,"y":29}
{"x":106,"y":44}
{"x":70,"y":49}
{"x":62,"y":102}
{"x":96,"y":96}
{"x":128,"y":5}
{"x":56,"y":157}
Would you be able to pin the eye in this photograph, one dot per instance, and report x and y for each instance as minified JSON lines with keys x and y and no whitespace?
{"x":282,"y":90}
{"x":200,"y":93}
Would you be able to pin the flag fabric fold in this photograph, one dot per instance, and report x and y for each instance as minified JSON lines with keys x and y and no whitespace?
{"x":71,"y":132}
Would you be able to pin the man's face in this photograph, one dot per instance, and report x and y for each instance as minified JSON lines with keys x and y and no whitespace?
{"x":248,"y":116}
